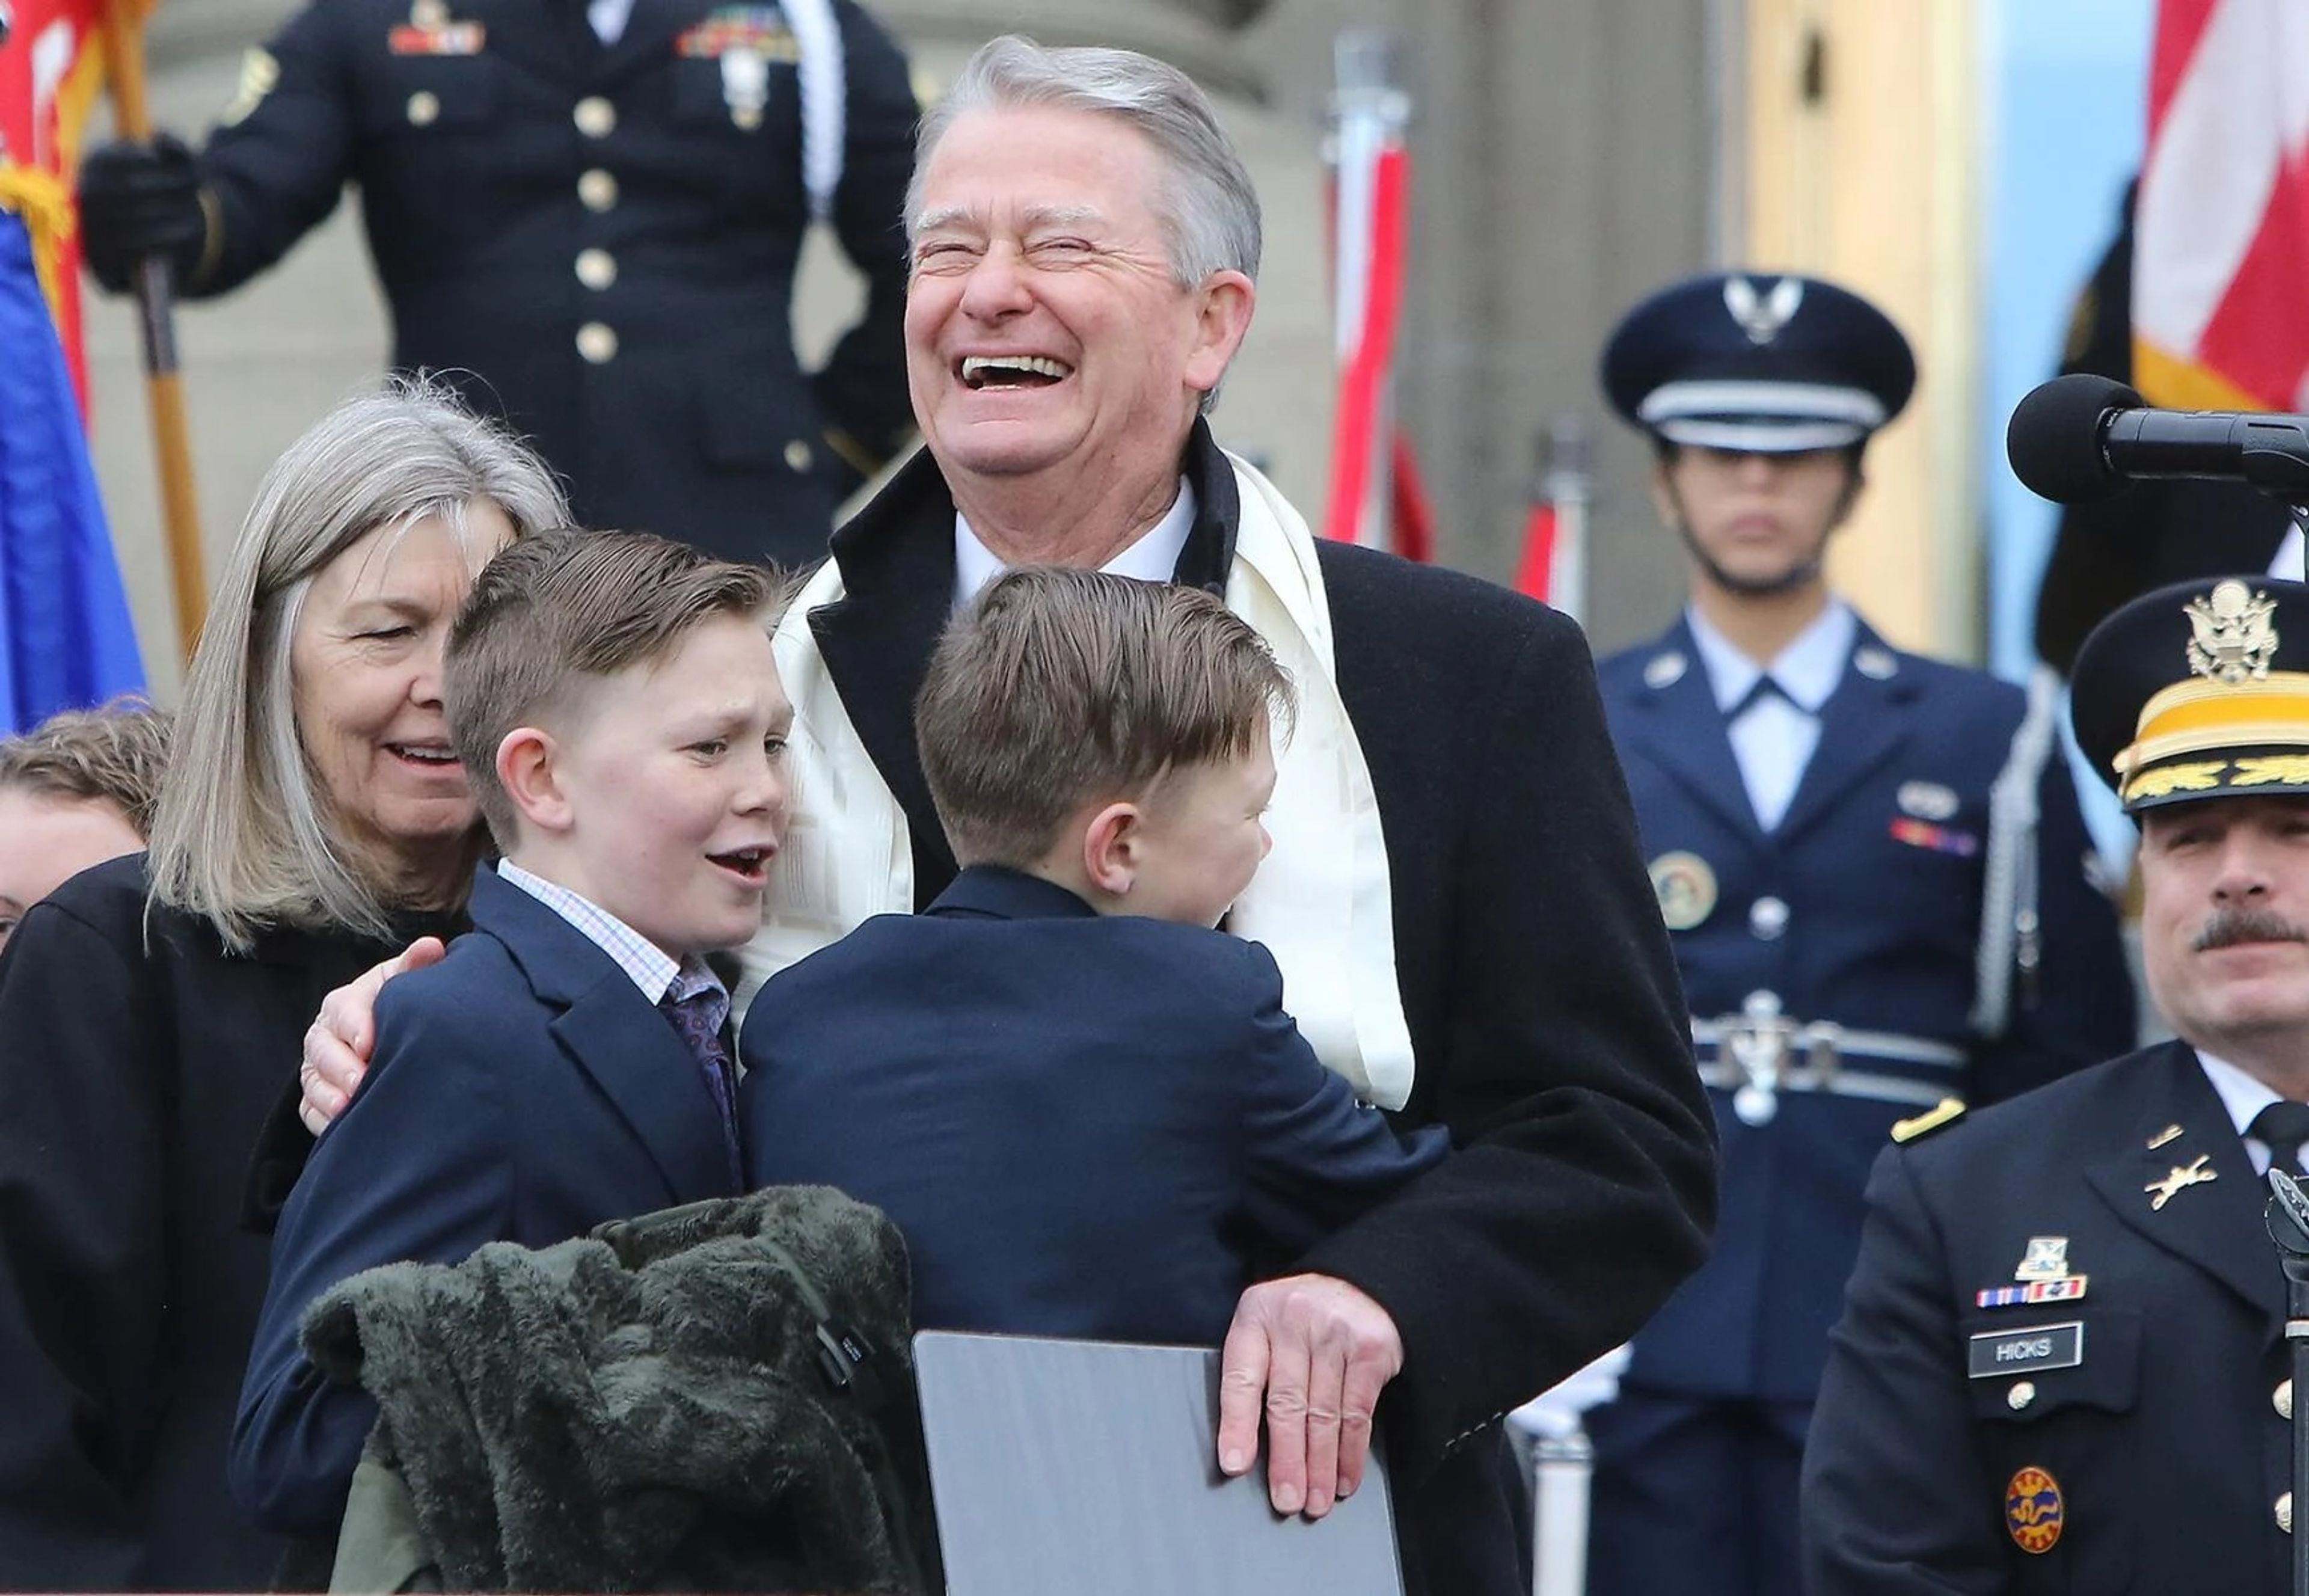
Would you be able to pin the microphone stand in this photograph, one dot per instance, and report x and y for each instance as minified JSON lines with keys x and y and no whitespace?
{"x":2287,"y":1218}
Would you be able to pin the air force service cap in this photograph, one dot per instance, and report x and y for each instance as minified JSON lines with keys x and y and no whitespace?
{"x":1757,"y":363}
{"x":2199,"y":690}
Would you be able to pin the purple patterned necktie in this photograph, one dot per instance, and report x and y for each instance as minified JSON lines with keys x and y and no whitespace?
{"x":695,"y":1018}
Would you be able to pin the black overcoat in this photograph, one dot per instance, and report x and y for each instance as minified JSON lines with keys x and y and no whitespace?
{"x":138,"y":1060}
{"x":1544,"y":1012}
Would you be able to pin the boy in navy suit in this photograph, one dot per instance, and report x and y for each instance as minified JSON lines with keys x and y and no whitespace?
{"x":615,"y":703}
{"x":1085,"y":1108}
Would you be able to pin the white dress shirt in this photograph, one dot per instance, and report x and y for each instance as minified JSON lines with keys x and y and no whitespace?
{"x":609,"y":18}
{"x":651,"y":968}
{"x":1774,"y":737}
{"x":2244,"y":1096}
{"x":1153,"y":558}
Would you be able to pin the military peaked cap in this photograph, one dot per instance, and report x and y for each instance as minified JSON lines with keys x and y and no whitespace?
{"x":1757,"y":363}
{"x":2199,"y":690}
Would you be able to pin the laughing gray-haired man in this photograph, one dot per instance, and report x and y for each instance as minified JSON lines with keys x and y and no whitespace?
{"x":1455,"y":896}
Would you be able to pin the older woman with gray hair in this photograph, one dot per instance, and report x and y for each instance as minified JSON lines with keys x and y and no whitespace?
{"x":314,"y":819}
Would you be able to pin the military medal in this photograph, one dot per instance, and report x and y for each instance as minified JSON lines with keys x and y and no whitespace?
{"x":2047,"y":1259}
{"x":1926,"y":800}
{"x":1938,"y":839}
{"x":745,"y":86}
{"x":2068,"y":1288}
{"x":430,"y":32}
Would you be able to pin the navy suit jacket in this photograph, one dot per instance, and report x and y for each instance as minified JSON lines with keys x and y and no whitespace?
{"x":1085,"y":1125}
{"x":1877,"y":932}
{"x":523,"y":1090}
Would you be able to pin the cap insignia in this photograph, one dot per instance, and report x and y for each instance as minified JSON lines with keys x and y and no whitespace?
{"x":2234,"y":637}
{"x":1761,"y":316}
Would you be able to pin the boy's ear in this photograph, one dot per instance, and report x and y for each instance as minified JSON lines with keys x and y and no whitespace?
{"x":1111,"y":848}
{"x":526,"y":771}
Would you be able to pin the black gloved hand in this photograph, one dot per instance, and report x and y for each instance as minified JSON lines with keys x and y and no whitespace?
{"x":138,"y":200}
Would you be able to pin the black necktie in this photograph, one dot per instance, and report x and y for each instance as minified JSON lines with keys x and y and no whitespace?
{"x":2282,"y":1127}
{"x":1764,"y":690}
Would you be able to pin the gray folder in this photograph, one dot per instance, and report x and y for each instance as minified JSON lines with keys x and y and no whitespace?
{"x":1086,"y":1469}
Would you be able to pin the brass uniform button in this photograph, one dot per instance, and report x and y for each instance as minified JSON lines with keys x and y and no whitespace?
{"x":2023,"y":1392}
{"x":424,"y":108}
{"x":598,"y":190}
{"x":595,"y":117}
{"x":2281,"y":1399}
{"x":2284,"y":1513}
{"x":597,"y":342}
{"x":797,"y":455}
{"x":597,"y":269}
{"x":428,"y":14}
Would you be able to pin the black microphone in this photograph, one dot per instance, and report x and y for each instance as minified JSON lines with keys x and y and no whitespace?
{"x":2081,"y":436}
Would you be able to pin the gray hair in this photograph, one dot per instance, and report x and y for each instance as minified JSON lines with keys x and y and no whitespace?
{"x":1210,"y":211}
{"x":243,"y":836}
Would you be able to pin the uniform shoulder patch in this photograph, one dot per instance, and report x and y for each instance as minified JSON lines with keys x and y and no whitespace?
{"x":1949,"y":1111}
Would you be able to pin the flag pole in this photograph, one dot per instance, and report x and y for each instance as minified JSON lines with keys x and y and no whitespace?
{"x":156,"y":300}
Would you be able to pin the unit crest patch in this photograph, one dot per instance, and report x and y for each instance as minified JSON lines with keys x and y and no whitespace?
{"x":2034,"y":1511}
{"x":1686,"y":888}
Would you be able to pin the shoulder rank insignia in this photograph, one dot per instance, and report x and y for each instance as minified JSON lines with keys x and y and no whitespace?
{"x":2232,"y":639}
{"x":2184,"y":1176}
{"x":1949,"y":1111}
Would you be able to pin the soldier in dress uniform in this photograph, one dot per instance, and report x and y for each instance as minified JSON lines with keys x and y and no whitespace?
{"x":2062,"y":1364}
{"x":1877,"y":883}
{"x":588,"y":215}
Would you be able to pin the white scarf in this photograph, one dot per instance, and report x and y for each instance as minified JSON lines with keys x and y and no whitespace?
{"x":1320,"y":903}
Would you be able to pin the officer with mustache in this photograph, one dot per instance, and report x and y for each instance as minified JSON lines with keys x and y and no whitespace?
{"x":2062,"y":1364}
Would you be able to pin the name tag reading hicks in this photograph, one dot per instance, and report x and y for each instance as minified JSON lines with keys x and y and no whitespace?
{"x":2000,"y":1352}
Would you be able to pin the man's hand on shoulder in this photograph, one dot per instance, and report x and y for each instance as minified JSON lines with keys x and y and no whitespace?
{"x":1312,"y":1353}
{"x":339,"y":1043}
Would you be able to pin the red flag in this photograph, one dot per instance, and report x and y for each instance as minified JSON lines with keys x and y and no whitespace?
{"x":2220,"y":290}
{"x":51,"y":71}
{"x":1413,"y":517}
{"x":1535,"y":574}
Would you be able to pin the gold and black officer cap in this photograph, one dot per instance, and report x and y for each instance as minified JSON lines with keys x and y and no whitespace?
{"x":2199,"y":690}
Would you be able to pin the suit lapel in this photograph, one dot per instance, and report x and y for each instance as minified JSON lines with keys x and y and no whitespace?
{"x":1860,"y":728}
{"x":1679,"y":728}
{"x":616,"y":1037}
{"x":2214,"y":1224}
{"x":643,"y":1066}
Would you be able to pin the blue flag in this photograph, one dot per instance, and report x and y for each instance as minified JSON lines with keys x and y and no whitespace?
{"x":65,"y":638}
